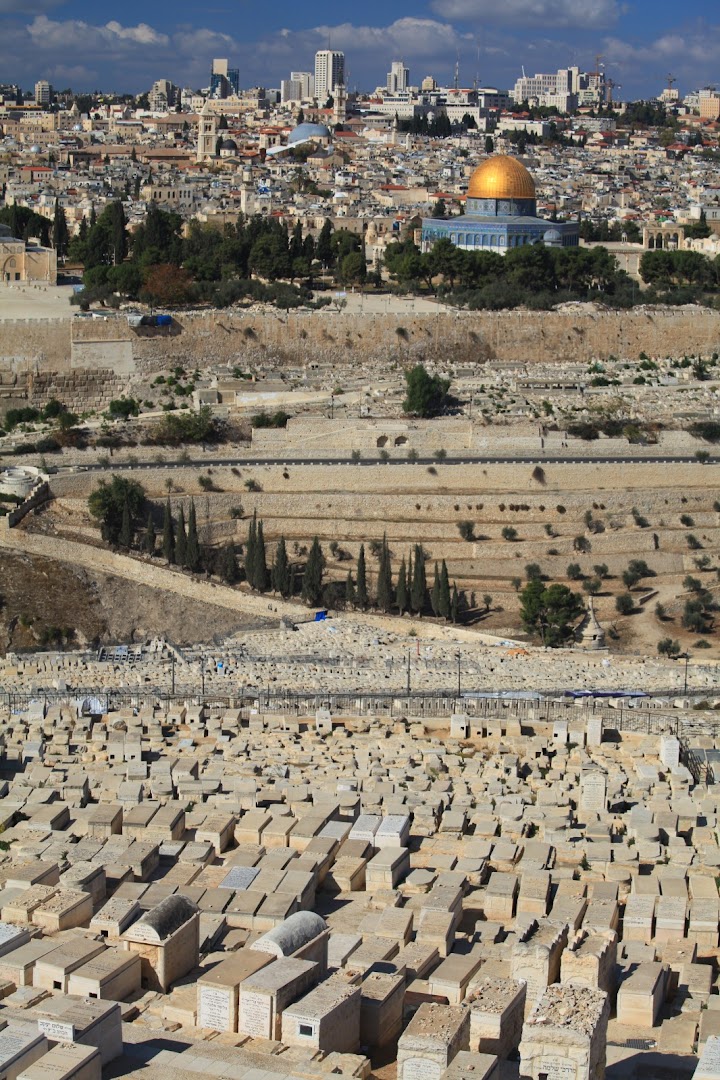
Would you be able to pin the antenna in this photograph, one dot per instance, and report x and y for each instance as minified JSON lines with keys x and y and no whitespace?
{"x":477,"y":70}
{"x":670,"y":80}
{"x":457,"y":69}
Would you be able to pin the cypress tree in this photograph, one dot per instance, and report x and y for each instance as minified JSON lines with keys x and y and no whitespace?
{"x":281,"y":570}
{"x":361,"y":590}
{"x":181,"y":540}
{"x":126,"y":533}
{"x":150,"y":536}
{"x":418,"y":589}
{"x":229,"y":569}
{"x":60,"y":234}
{"x":401,"y":596}
{"x":445,"y":602}
{"x":409,"y":579}
{"x":435,"y":594}
{"x":349,"y":590}
{"x":454,"y":604}
{"x":168,"y":535}
{"x":312,"y":577}
{"x":260,"y":572}
{"x":384,"y":586}
{"x":250,"y":551}
{"x":192,"y":548}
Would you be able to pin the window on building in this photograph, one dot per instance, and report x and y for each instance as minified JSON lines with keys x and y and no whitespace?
{"x":305,"y":1029}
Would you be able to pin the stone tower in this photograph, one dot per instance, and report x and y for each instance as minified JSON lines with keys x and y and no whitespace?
{"x":207,"y":133}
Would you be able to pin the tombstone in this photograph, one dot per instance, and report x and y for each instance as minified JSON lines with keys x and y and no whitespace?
{"x":593,"y":791}
{"x":430,"y":1042}
{"x":565,"y":1036}
{"x":669,"y":751}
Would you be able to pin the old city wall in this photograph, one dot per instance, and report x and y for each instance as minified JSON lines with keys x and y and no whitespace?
{"x":319,"y":337}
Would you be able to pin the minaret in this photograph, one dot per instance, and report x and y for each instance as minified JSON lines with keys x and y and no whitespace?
{"x":207,"y":133}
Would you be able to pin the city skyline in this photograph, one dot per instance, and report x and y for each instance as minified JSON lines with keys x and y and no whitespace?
{"x":79,"y":45}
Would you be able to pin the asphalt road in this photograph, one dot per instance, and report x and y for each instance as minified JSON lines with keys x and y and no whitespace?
{"x":205,"y":461}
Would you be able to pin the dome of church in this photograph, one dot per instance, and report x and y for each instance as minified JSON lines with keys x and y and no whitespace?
{"x":305,"y":132}
{"x":501,"y":177}
{"x":229,"y":146}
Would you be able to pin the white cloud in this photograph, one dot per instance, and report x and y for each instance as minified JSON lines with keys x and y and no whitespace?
{"x":590,"y":14}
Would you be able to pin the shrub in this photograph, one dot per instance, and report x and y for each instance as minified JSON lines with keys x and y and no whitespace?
{"x":692,"y":542}
{"x":122,"y":408}
{"x":709,"y":430}
{"x":574,"y":572}
{"x":466,"y":530}
{"x":384,"y":455}
{"x":509,"y":533}
{"x":533,"y":572}
{"x":355,"y":456}
{"x":236,"y":513}
{"x":440,"y":455}
{"x":668,"y":647}
{"x":264,"y":419}
{"x":624,"y":603}
{"x":252,"y":485}
{"x":686,"y":520}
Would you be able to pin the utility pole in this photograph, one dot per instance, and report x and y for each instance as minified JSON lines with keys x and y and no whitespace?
{"x":408,"y":673}
{"x":172,"y":671}
{"x":458,"y":657}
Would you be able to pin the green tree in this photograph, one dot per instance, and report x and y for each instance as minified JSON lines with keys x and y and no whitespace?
{"x":229,"y":569}
{"x":281,"y":576}
{"x":181,"y":539}
{"x":250,"y":548}
{"x":323,"y":249}
{"x":435,"y":592}
{"x":401,"y":596}
{"x":349,"y":590}
{"x":107,"y":501}
{"x":454,"y":604}
{"x":384,"y":584}
{"x":418,"y":589}
{"x":439,"y":209}
{"x":550,"y":611}
{"x":192,"y":551}
{"x":168,"y":542}
{"x":444,"y":601}
{"x":150,"y":536}
{"x":260,"y":573}
{"x":426,"y":394}
{"x":125,"y":537}
{"x":361,"y":589}
{"x":313,"y":575}
{"x":60,"y":233}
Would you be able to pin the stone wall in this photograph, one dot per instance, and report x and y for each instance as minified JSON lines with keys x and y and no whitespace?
{"x":320,"y":338}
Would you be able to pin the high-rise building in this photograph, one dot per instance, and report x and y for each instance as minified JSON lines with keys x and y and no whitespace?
{"x":329,"y":73}
{"x":43,"y":93}
{"x":398,"y":77}
{"x":307,"y":83}
{"x":224,"y":80}
{"x":163,"y":95}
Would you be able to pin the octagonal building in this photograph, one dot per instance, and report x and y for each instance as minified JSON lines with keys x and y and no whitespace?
{"x":500,"y":213}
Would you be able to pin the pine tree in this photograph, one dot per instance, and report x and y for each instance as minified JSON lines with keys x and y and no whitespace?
{"x":260,"y":573}
{"x":168,"y":535}
{"x":150,"y":536}
{"x":401,"y":597}
{"x":349,"y":590}
{"x":418,"y":589}
{"x":385,"y":586}
{"x":229,"y":569}
{"x":280,"y":578}
{"x":192,"y":548}
{"x":60,"y":233}
{"x":361,"y":589}
{"x":454,"y":604}
{"x":435,"y":594}
{"x":250,"y":551}
{"x":181,"y":540}
{"x":312,"y":577}
{"x":445,"y":603}
{"x":126,"y":533}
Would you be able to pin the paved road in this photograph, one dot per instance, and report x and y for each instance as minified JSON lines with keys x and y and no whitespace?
{"x":467,"y":459}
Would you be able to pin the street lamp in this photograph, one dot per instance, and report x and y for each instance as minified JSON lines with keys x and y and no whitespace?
{"x":458,"y":657}
{"x":408,"y":672}
{"x":685,"y":657}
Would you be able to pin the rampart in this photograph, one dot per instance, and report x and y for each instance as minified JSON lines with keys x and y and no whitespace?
{"x":307,"y":338}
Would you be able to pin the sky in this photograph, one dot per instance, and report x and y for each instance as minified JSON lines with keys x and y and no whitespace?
{"x":96,"y":45}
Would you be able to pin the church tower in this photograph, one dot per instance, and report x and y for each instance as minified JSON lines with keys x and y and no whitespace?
{"x":207,"y":133}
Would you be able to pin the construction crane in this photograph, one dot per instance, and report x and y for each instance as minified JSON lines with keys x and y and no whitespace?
{"x":611,"y":85}
{"x":598,"y":59}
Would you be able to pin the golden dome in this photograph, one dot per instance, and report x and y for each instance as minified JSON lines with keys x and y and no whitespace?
{"x":501,"y":177}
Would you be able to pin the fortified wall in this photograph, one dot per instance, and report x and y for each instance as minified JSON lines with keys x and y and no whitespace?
{"x":305,"y":338}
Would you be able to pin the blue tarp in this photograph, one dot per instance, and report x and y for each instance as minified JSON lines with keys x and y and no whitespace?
{"x":320,"y":616}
